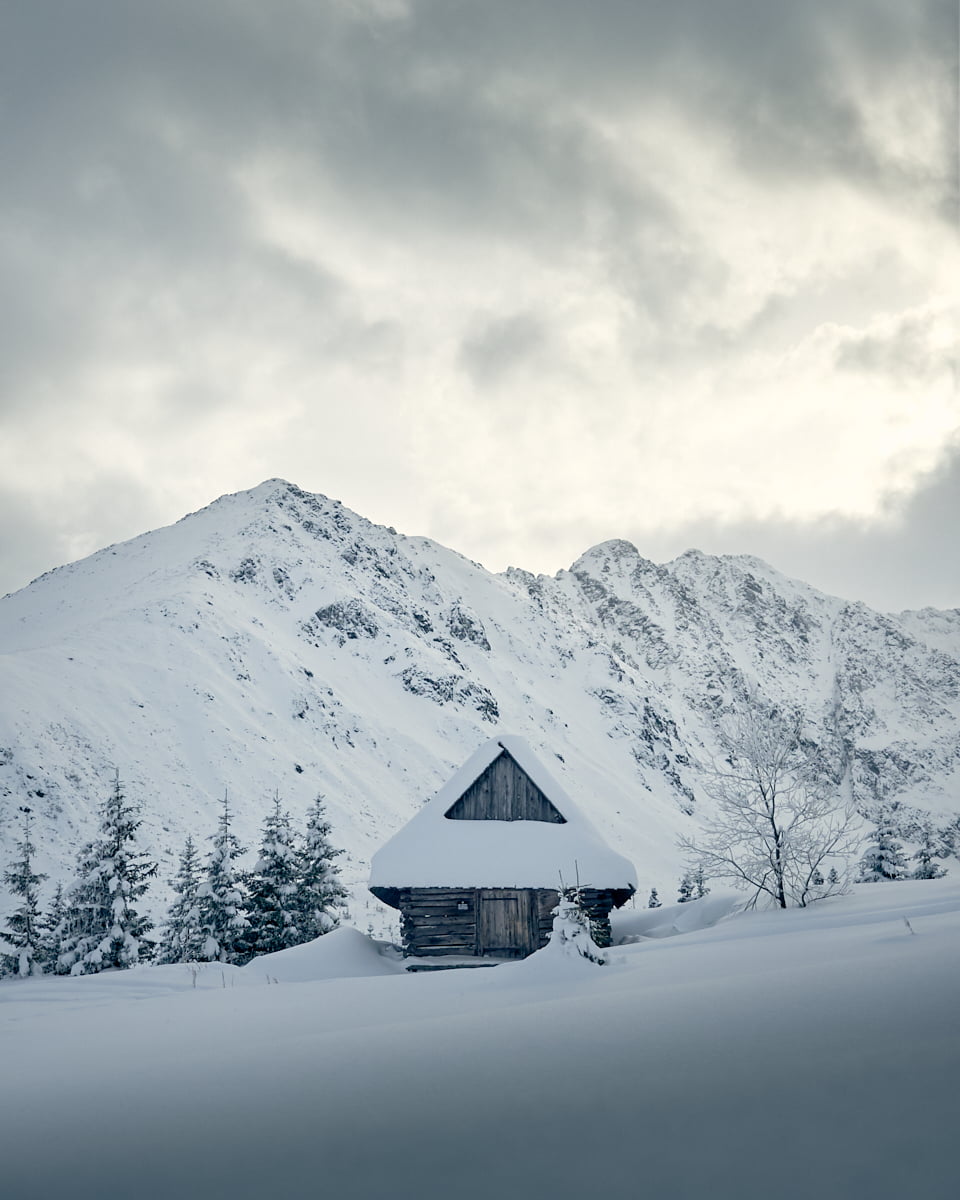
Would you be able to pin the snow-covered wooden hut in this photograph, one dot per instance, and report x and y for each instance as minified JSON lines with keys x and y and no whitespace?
{"x":477,"y":871}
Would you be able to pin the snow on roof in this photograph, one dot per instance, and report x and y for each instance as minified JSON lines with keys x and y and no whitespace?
{"x":434,"y":851}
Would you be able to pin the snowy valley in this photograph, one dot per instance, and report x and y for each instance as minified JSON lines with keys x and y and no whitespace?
{"x":276,"y":643}
{"x":275,"y":646}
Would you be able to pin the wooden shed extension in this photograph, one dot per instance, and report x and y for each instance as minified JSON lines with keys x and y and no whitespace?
{"x":476,"y":872}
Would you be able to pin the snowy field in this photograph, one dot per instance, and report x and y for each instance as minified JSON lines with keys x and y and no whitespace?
{"x":808,"y":1053}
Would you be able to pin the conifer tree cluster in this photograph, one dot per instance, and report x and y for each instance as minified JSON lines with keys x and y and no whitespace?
{"x":692,"y":885}
{"x":885,"y":859}
{"x":219,"y":913}
{"x":292,"y":894}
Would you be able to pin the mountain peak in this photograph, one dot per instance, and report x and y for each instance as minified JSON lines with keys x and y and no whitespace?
{"x":614,"y":551}
{"x":275,"y":640}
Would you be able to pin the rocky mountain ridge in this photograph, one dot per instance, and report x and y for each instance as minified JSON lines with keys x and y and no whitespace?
{"x":276,"y":641}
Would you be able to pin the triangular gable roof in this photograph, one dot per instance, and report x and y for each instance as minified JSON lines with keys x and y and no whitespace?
{"x":503,"y":791}
{"x":432,"y":850}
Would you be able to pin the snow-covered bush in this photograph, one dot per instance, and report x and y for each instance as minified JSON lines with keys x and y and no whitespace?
{"x":571,"y":936}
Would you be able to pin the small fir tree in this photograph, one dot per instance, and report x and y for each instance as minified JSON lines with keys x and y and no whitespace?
{"x":221,"y":895}
{"x":833,"y":878}
{"x":51,"y":930}
{"x":103,"y":928}
{"x":926,"y":868}
{"x":654,"y":901}
{"x":273,"y":910}
{"x":693,"y":885}
{"x":571,"y":936}
{"x":24,"y":931}
{"x":948,"y":837}
{"x":183,"y":938}
{"x":321,"y":897}
{"x":883,"y":860}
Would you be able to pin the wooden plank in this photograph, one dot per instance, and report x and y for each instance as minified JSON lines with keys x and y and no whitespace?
{"x":440,"y":910}
{"x":440,"y":893}
{"x":465,"y":932}
{"x":440,"y":939}
{"x":439,"y":952}
{"x":432,"y":940}
{"x":453,"y":918}
{"x":459,"y":922}
{"x":441,"y":927}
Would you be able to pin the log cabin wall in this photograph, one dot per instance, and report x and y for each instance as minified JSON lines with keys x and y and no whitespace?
{"x":597,"y":904}
{"x":499,"y":922}
{"x":436,"y":921}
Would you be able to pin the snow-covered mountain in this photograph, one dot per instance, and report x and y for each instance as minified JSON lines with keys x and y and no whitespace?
{"x":277,"y":642}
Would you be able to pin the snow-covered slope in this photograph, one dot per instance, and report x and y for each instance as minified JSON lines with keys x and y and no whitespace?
{"x":808,"y":1053}
{"x":276,"y":641}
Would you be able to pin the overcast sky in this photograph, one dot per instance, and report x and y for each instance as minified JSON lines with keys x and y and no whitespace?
{"x":521,"y":275}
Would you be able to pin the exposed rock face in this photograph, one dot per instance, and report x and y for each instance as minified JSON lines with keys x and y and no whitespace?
{"x":277,"y":641}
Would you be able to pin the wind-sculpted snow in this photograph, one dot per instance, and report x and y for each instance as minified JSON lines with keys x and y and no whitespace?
{"x":806,"y":1053}
{"x":277,"y":642}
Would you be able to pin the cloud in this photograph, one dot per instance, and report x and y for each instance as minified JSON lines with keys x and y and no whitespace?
{"x":693,"y":250}
{"x":904,"y":559}
{"x":496,"y":347}
{"x":911,"y":347}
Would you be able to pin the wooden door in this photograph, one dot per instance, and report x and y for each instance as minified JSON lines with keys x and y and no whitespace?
{"x":506,"y":926}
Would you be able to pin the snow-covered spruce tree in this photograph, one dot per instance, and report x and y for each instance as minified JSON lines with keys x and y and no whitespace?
{"x":321,"y":897}
{"x":183,"y":939}
{"x":883,"y":861}
{"x":84,"y":914}
{"x":930,"y":848}
{"x":221,"y":895}
{"x":654,"y":901}
{"x":779,"y":821}
{"x":949,"y":838}
{"x":51,"y":930}
{"x":685,"y":888}
{"x":272,"y":908}
{"x":103,"y":928}
{"x":24,"y":931}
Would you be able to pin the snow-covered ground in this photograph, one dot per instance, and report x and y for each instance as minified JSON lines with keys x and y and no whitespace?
{"x":807,"y":1053}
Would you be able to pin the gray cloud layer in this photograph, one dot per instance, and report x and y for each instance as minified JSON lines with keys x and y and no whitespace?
{"x":324,"y":241}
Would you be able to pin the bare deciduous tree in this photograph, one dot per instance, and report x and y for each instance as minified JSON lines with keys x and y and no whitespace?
{"x":780,"y":825}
